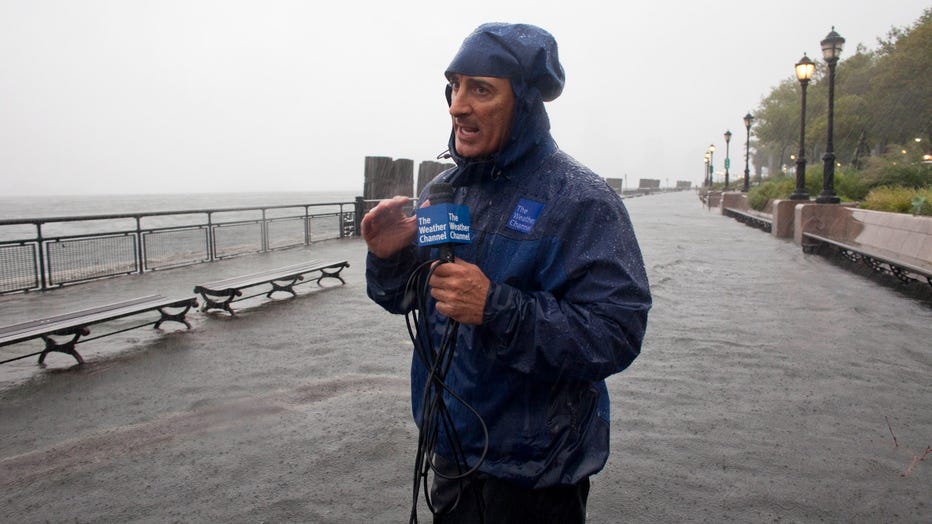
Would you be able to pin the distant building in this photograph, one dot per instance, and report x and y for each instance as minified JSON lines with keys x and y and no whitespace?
{"x":618,"y":184}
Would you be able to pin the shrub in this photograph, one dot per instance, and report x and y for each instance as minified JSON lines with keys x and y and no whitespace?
{"x":781,"y":187}
{"x":921,"y":205}
{"x":895,"y":199}
{"x":888,"y":171}
{"x":849,"y":185}
{"x":887,"y":184}
{"x":814,"y":180}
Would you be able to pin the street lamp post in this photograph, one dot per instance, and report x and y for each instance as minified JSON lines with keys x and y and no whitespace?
{"x":711,"y":168}
{"x":804,"y":70}
{"x":727,"y":156}
{"x":831,"y":51}
{"x":706,"y":179}
{"x":747,"y":150}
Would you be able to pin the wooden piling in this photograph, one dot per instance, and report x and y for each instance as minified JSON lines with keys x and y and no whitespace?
{"x":427,"y":171}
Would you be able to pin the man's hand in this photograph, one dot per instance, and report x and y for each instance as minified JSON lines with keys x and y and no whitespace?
{"x":387,"y":229}
{"x":460,"y":289}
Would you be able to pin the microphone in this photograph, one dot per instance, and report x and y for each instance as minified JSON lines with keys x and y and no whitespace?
{"x":442,"y":223}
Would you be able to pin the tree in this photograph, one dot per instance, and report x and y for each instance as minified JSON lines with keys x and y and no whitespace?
{"x":852,"y":115}
{"x":881,"y":97}
{"x":851,"y":123}
{"x":777,"y":124}
{"x":901,"y":93}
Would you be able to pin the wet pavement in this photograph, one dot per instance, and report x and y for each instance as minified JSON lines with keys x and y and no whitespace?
{"x":770,"y":388}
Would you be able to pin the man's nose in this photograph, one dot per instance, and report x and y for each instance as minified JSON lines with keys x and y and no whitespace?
{"x":458,"y":103}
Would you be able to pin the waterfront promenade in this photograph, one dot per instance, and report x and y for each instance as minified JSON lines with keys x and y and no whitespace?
{"x":773,"y":386}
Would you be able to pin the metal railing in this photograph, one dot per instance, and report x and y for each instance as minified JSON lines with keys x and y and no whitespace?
{"x":44,"y":253}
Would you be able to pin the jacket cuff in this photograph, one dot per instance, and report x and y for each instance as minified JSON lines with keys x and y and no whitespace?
{"x":386,"y":277}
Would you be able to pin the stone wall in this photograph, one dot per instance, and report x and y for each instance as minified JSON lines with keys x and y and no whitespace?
{"x":909,"y":236}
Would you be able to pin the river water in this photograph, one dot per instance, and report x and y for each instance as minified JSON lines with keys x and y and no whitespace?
{"x":773,"y":386}
{"x":72,"y":205}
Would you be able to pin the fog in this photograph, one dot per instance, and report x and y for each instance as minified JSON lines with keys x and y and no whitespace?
{"x":132,"y":96}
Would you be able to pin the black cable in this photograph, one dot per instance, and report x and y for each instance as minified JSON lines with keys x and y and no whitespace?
{"x":434,"y":413}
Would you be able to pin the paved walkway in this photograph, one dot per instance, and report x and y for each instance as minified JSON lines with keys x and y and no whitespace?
{"x":770,"y":388}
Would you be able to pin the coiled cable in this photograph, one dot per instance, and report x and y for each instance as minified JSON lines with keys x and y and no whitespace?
{"x":434,"y":413}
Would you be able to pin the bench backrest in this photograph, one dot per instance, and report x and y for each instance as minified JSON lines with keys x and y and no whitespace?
{"x":85,"y":317}
{"x":898,"y":232}
{"x":42,"y":322}
{"x":268,"y":275}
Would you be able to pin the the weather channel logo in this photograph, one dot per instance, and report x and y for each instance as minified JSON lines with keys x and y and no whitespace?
{"x":525,"y":215}
{"x":443,"y":224}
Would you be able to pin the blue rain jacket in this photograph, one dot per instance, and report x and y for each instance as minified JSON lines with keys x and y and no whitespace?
{"x":567,"y":305}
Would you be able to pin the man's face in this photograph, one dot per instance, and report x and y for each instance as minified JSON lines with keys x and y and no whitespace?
{"x":481,"y":108}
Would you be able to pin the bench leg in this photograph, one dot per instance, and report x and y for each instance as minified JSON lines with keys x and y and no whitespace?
{"x":64,"y":347}
{"x":331,"y":274}
{"x":872,"y":263}
{"x":224,"y":303}
{"x":176,"y":317}
{"x":287,"y":287}
{"x":850,"y":255}
{"x":900,"y":273}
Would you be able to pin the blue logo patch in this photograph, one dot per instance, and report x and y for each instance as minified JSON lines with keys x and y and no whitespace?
{"x":525,"y":215}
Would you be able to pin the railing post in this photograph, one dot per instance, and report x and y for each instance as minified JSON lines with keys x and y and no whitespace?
{"x":41,"y":247}
{"x":357,"y":217}
{"x":342,"y":223}
{"x":140,"y":251}
{"x":211,"y":247}
{"x":264,"y":233}
{"x":307,"y":225}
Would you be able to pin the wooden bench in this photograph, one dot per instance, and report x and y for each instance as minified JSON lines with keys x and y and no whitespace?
{"x":220,"y":294}
{"x":77,"y":324}
{"x":900,"y":265}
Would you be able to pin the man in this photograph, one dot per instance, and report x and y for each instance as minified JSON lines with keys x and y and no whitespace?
{"x":551,"y":294}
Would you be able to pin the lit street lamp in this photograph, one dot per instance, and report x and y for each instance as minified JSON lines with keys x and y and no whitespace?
{"x":711,"y":168}
{"x":804,"y":70}
{"x":727,"y":157}
{"x":831,"y":51}
{"x":747,"y":150}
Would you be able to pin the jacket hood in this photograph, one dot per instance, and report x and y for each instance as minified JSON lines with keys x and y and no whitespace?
{"x":527,"y":56}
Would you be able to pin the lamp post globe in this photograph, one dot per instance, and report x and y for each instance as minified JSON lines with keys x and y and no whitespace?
{"x":804,"y":70}
{"x":831,"y":51}
{"x":727,"y":156}
{"x":748,"y":118}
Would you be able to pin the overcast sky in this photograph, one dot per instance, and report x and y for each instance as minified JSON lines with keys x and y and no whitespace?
{"x":172,"y":96}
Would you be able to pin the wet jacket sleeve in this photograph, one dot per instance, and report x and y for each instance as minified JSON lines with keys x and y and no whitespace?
{"x":590,"y":319}
{"x":386,"y":279}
